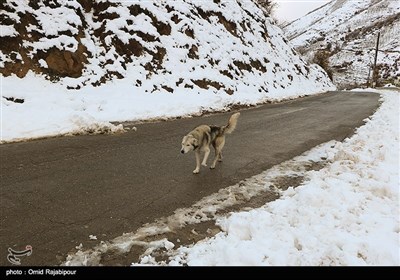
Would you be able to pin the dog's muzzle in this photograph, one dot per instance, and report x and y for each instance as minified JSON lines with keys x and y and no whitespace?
{"x":182,"y":151}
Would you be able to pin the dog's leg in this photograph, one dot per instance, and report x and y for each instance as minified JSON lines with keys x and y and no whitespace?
{"x":215,"y":159}
{"x":219,"y":144}
{"x":206,"y":154}
{"x":220,"y":156}
{"x":197,"y":170}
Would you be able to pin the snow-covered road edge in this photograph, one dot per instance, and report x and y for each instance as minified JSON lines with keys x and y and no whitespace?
{"x":344,"y":214}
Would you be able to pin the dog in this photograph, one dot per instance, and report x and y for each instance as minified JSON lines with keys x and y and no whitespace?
{"x":202,"y":137}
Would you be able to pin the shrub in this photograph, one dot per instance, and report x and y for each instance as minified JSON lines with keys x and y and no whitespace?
{"x":321,"y":57}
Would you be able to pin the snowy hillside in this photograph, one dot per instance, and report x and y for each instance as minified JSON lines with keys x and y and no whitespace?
{"x":348,"y":30}
{"x":75,"y":65}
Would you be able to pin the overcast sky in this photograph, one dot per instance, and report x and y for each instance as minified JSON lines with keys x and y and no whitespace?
{"x":290,"y":10}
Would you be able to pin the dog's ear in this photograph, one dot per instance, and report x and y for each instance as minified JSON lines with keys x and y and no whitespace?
{"x":184,"y":140}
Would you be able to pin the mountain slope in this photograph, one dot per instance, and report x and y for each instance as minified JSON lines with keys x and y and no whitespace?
{"x":103,"y":55}
{"x":347,"y":31}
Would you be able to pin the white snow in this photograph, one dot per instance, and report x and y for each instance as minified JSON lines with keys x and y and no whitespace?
{"x":4,"y":58}
{"x":345,"y":214}
{"x":43,"y":63}
{"x":62,"y":42}
{"x":56,"y":20}
{"x":47,"y":110}
{"x":7,"y":31}
{"x":92,"y":237}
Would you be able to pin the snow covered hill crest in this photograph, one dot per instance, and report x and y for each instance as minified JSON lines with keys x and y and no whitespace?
{"x":346,"y":31}
{"x":160,"y":46}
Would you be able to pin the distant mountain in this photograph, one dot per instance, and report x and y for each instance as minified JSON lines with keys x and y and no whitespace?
{"x":223,"y":46}
{"x":345,"y":32}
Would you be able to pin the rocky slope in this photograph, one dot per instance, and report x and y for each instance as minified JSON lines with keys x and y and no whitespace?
{"x":157,"y":45}
{"x":346,"y":32}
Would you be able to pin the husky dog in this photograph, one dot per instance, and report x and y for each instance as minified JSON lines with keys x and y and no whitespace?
{"x":202,"y":137}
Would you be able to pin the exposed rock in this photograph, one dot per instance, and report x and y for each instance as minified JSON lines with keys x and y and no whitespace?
{"x":66,"y":63}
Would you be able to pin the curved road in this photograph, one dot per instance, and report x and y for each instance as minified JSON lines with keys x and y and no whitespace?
{"x":56,"y":192}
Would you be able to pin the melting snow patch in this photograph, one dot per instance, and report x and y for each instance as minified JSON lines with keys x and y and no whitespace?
{"x":92,"y":237}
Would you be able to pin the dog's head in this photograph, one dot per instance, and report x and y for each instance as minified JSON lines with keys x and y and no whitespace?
{"x":189,"y":143}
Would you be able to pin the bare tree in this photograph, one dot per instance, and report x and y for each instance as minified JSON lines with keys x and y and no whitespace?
{"x":268,"y":6}
{"x":321,"y":57}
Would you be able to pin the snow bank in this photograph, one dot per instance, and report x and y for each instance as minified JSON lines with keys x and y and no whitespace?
{"x":345,"y":214}
{"x":33,"y":108}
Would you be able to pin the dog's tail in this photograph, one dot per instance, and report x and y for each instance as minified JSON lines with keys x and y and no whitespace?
{"x":230,"y":127}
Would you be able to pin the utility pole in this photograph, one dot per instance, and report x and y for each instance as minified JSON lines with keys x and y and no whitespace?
{"x":374,"y":72}
{"x":369,"y":75}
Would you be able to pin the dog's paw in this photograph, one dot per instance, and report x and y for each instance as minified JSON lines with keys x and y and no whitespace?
{"x":196,"y":171}
{"x":204,"y":164}
{"x":212,"y":166}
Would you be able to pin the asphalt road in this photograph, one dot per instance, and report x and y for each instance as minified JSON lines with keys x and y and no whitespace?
{"x":56,"y":192}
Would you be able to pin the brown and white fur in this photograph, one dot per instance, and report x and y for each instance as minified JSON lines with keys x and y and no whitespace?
{"x":202,"y":137}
